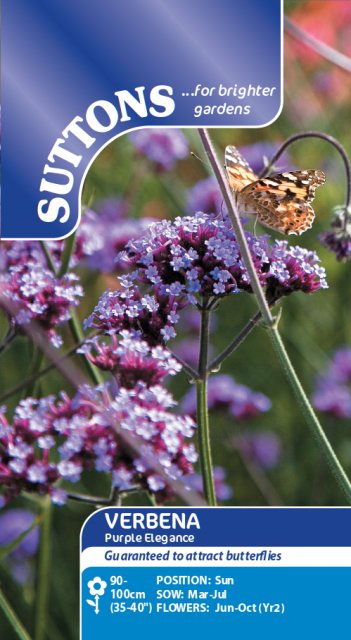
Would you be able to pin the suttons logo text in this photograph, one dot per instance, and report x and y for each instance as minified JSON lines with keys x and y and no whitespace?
{"x":101,"y":117}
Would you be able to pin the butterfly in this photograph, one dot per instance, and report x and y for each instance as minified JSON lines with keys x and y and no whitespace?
{"x":281,"y":201}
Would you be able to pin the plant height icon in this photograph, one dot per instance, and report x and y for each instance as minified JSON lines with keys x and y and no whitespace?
{"x":96,"y":588}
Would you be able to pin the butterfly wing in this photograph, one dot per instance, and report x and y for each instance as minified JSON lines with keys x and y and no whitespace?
{"x":282,"y":201}
{"x":238,"y":170}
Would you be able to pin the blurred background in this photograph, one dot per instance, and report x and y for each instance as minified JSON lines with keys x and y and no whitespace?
{"x":262,"y":448}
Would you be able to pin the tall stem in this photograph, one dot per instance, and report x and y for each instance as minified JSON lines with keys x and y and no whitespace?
{"x":15,"y":623}
{"x":44,"y":572}
{"x":271,"y":323}
{"x":202,"y":412}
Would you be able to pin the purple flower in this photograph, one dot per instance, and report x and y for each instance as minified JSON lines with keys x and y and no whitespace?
{"x":59,"y":438}
{"x":340,"y":367}
{"x":293,"y":269}
{"x":152,"y":315}
{"x":200,"y":256}
{"x":257,"y":153}
{"x":103,"y":234}
{"x":13,"y":523}
{"x":162,"y":146}
{"x":225,"y":393}
{"x":111,"y":209}
{"x":264,"y":448}
{"x":130,"y":359}
{"x":222,"y":489}
{"x":41,"y":296}
{"x":334,"y":399}
{"x":338,"y":239}
{"x":332,"y":394}
{"x":188,"y":350}
{"x":205,"y":196}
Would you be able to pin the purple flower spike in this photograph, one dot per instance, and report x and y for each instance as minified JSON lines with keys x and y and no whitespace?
{"x":41,"y":296}
{"x":225,"y":393}
{"x":154,"y":316}
{"x":162,"y":146}
{"x":333,"y":399}
{"x":333,"y":389}
{"x":256,"y":153}
{"x":130,"y":359}
{"x":222,"y":489}
{"x":262,"y":448}
{"x":13,"y":523}
{"x":59,"y":438}
{"x":205,"y":196}
{"x":338,"y":239}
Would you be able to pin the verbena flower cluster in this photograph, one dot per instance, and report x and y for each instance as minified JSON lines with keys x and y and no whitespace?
{"x":338,"y":239}
{"x":332,"y":394}
{"x":162,"y":146}
{"x":152,"y":314}
{"x":200,"y":256}
{"x":130,"y":359}
{"x":39,"y":295}
{"x":60,"y":438}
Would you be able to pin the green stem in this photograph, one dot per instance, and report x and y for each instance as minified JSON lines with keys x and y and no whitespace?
{"x":271,"y":323}
{"x":15,"y":623}
{"x":235,"y":343}
{"x":309,"y":413}
{"x":66,"y":254}
{"x":37,"y":361}
{"x":44,"y":572}
{"x":38,"y":374}
{"x":205,"y":442}
{"x":78,"y":336}
{"x":152,"y":499}
{"x":202,"y":412}
{"x":48,"y":257}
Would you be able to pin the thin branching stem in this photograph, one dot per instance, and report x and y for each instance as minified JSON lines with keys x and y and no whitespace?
{"x":36,"y":376}
{"x":235,"y":343}
{"x":11,"y":616}
{"x":204,"y":437}
{"x":326,"y":51}
{"x":330,"y":140}
{"x":193,"y":375}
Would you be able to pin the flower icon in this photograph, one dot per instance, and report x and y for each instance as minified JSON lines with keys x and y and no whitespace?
{"x":96,"y":588}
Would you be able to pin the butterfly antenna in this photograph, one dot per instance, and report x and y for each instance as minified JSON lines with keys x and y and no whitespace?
{"x":207,"y":164}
